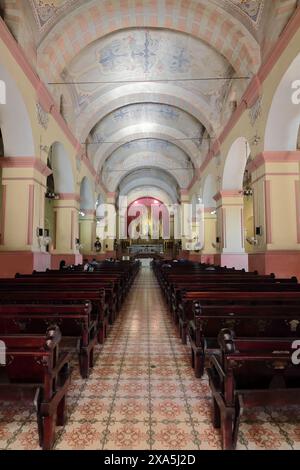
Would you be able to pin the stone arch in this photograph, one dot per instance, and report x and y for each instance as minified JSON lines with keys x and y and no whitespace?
{"x":15,"y":120}
{"x":284,"y":116}
{"x":181,"y":173}
{"x":150,"y":132}
{"x":123,"y":95}
{"x":62,"y":169}
{"x":69,"y":36}
{"x":235,"y":165}
{"x":100,"y":207}
{"x":209,"y":191}
{"x":86,"y":195}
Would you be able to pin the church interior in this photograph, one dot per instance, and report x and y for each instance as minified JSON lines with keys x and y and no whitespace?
{"x":149,"y":225}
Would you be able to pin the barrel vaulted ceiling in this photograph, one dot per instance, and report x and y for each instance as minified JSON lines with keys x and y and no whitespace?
{"x":147,"y":84}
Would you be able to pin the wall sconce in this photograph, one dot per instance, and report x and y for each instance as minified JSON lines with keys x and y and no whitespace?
{"x":248,"y":192}
{"x":49,"y":195}
{"x":252,"y":241}
{"x":44,"y":148}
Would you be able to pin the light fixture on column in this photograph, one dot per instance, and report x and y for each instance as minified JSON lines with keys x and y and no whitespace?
{"x":252,"y":241}
{"x":51,"y":195}
{"x":44,"y":148}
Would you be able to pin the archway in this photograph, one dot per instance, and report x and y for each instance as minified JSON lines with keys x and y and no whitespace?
{"x":230,"y":240}
{"x":87,"y":217}
{"x":235,"y":165}
{"x":284,"y":116}
{"x":60,"y":184}
{"x":15,"y":121}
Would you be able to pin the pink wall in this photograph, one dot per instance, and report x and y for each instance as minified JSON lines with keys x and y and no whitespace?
{"x":23,"y":262}
{"x":282,"y":264}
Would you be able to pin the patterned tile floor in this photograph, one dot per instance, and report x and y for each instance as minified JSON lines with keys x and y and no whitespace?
{"x":142,"y":394}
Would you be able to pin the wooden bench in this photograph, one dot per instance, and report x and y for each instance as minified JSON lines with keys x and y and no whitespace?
{"x":177,"y":290}
{"x":36,"y":371}
{"x":113,"y":294}
{"x":250,"y":372}
{"x":247,"y":320}
{"x":39,"y":295}
{"x":230,"y":297}
{"x":78,"y":328}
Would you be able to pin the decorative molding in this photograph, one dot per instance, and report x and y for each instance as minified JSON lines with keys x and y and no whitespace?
{"x":43,"y":116}
{"x":46,"y":11}
{"x":69,"y":197}
{"x":252,"y":9}
{"x":26,"y":162}
{"x":228,"y":193}
{"x":273,"y":157}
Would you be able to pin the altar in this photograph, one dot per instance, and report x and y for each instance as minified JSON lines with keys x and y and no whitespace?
{"x":146,"y":249}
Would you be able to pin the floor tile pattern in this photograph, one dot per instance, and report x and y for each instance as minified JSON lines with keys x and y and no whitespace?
{"x":142,"y":394}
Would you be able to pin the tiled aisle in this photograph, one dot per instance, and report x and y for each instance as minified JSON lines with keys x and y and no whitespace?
{"x":142,"y":394}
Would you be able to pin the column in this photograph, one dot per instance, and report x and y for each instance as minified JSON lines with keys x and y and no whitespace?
{"x":210,"y":233}
{"x":66,"y":222}
{"x":87,"y":232}
{"x":185,"y":223}
{"x":230,"y":230}
{"x":23,"y":190}
{"x":110,"y":231}
{"x":276,"y":188}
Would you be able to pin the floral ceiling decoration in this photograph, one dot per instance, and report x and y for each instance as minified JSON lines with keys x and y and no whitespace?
{"x":46,"y":11}
{"x":252,"y":8}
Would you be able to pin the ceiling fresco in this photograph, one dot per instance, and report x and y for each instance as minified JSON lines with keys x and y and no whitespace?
{"x":146,"y":96}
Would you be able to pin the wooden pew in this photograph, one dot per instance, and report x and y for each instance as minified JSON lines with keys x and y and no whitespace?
{"x":269,"y":320}
{"x":36,"y":370}
{"x":177,"y":290}
{"x":231,"y":297}
{"x":39,"y":295}
{"x":112,"y":297}
{"x":250,"y":372}
{"x":78,"y":328}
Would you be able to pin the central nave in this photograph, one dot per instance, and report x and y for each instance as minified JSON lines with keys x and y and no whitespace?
{"x":142,"y":394}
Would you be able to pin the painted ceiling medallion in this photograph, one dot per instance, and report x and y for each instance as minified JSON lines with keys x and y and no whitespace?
{"x":252,"y":8}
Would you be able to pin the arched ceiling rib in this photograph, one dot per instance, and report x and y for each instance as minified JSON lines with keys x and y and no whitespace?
{"x":204,"y":20}
{"x":149,"y":177}
{"x":150,"y":81}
